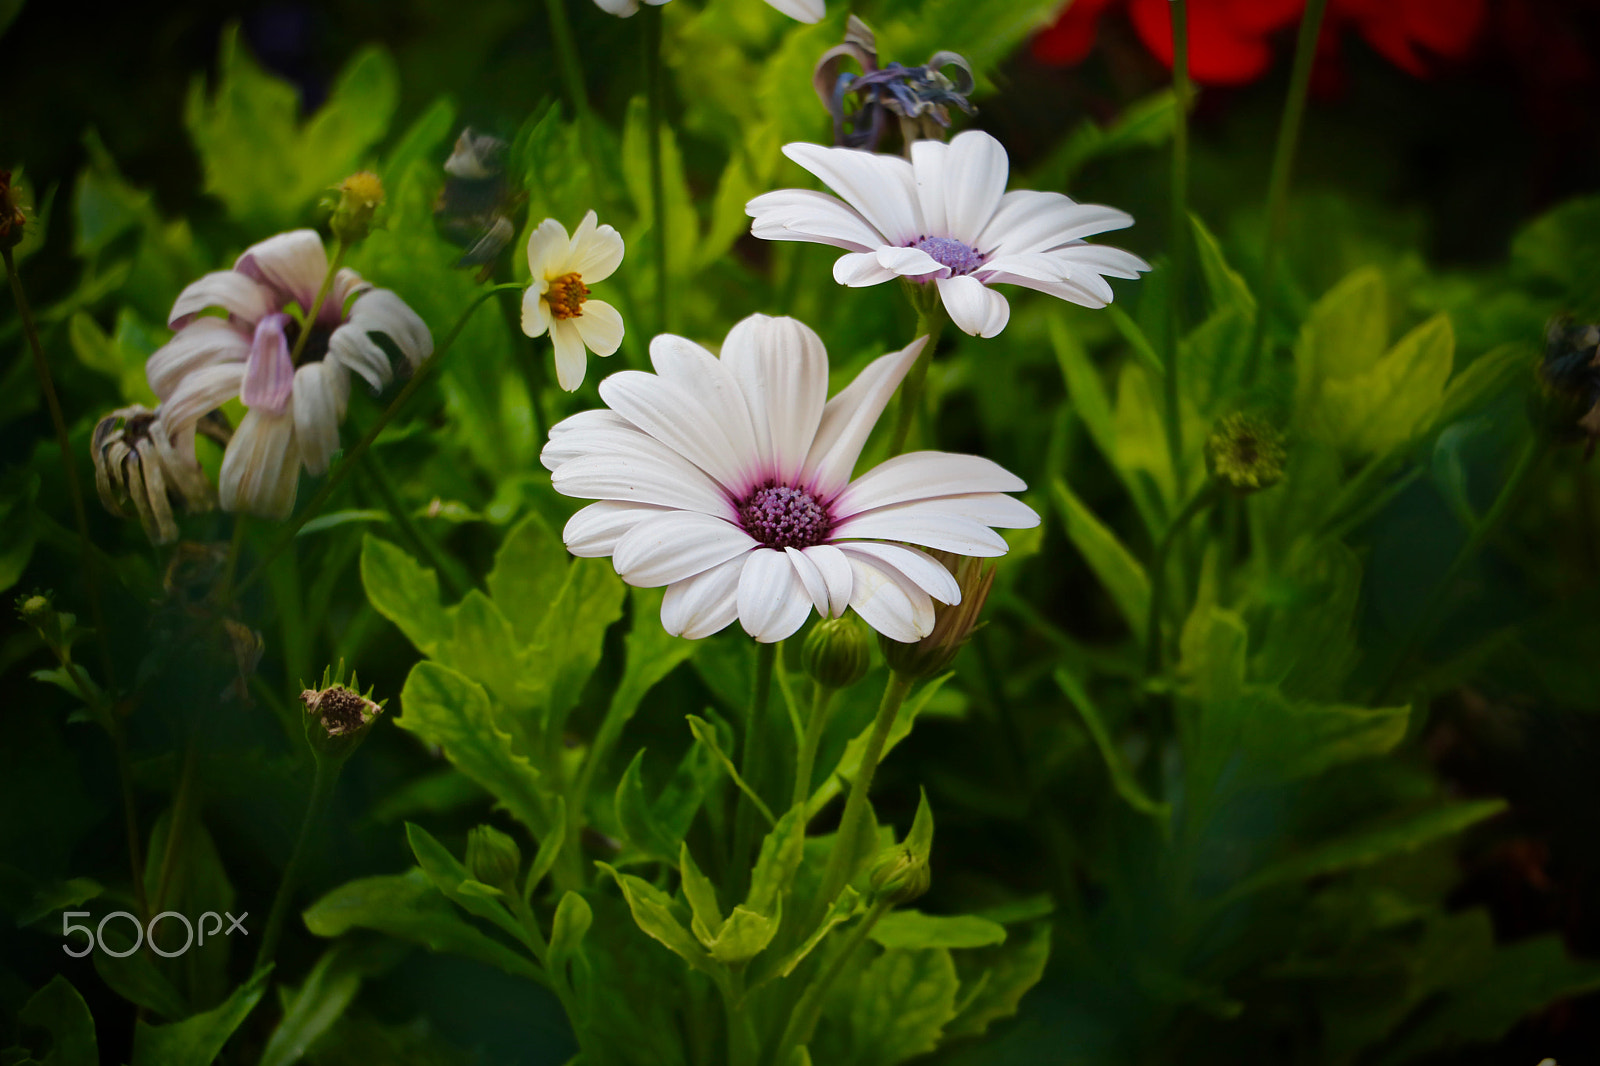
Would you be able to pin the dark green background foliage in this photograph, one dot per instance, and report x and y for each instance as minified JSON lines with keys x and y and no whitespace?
{"x":1305,"y":842}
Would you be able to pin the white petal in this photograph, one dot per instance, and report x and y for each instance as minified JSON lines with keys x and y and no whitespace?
{"x":974,"y":181}
{"x":596,"y":252}
{"x":816,"y":586}
{"x":261,"y":468}
{"x":808,"y":215}
{"x":704,"y":604}
{"x":600,"y":326}
{"x":292,"y":263}
{"x":381,"y":311}
{"x":834,"y":567}
{"x":1090,"y":291}
{"x":976,"y":309}
{"x":911,"y":262}
{"x":927,"y":527}
{"x":241,"y":296}
{"x":848,"y":419}
{"x":674,"y":545}
{"x":989,"y":508}
{"x":922,"y":569}
{"x":268,"y":372}
{"x":922,"y":475}
{"x":200,"y":393}
{"x":860,"y":269}
{"x":888,"y":601}
{"x":679,"y":419}
{"x":782,"y":368}
{"x":548,"y":246}
{"x":928,"y":159}
{"x":585,"y":433}
{"x":347,"y":285}
{"x":203,"y":342}
{"x":643,"y":470}
{"x":535,"y":315}
{"x":773,"y":603}
{"x":801,"y":10}
{"x":1101,"y":258}
{"x":880,"y":187}
{"x":321,"y":391}
{"x":699,"y":374}
{"x":1032,"y":221}
{"x":594,"y":530}
{"x":572,"y":358}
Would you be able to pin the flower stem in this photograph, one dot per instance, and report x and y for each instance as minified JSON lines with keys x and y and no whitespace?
{"x":178,"y":826}
{"x":803,"y":1020}
{"x":338,"y":474}
{"x":1158,"y":575}
{"x":821,"y":704}
{"x":91,"y":571}
{"x":327,"y":776}
{"x":658,"y":196}
{"x":755,"y":735}
{"x":1171,"y":411}
{"x":316,"y":305}
{"x":930,"y":323}
{"x":1527,"y":460}
{"x":841,"y":859}
{"x":1282,"y":165}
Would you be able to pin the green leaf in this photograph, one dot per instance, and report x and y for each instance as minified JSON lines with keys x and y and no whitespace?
{"x":405,"y":593}
{"x":58,"y":897}
{"x":197,"y":1041}
{"x":570,"y":640}
{"x":58,"y":1009}
{"x":442,"y":707}
{"x":702,"y":897}
{"x":707,"y":736}
{"x":843,"y":907}
{"x":781,"y":852}
{"x":452,"y":878}
{"x":683,"y":225}
{"x":913,"y":929}
{"x":314,"y":1007}
{"x":653,"y":913}
{"x":135,"y":976}
{"x":484,"y":648}
{"x":919,"y":840}
{"x":1122,"y":776}
{"x":1291,"y":740}
{"x":743,"y":936}
{"x":849,"y":763}
{"x":1368,"y":845}
{"x":1559,"y":250}
{"x":528,"y":573}
{"x":409,"y":908}
{"x":1508,"y":368}
{"x":1092,"y":405}
{"x":1225,"y":285}
{"x":1000,"y":977}
{"x":895,"y":1010}
{"x":644,"y":830}
{"x":257,"y":157}
{"x":424,"y":135}
{"x":549,"y":847}
{"x":1121,"y":574}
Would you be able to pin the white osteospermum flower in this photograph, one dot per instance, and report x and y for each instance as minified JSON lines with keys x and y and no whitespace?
{"x":728,"y":480}
{"x":799,"y":10}
{"x":558,"y":300}
{"x":945,"y":217}
{"x":294,"y":410}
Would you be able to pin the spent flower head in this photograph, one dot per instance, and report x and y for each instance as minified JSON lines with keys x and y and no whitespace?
{"x":1567,"y":406}
{"x":475,"y":205}
{"x":138,"y":465}
{"x":919,"y":97}
{"x":1245,"y":453}
{"x":338,"y":716}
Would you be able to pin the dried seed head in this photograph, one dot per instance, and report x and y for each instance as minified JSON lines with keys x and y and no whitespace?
{"x":341,"y":712}
{"x":138,"y":466}
{"x":953,"y":624}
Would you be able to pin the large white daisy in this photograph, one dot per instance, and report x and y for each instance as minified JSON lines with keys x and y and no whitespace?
{"x":294,"y":410}
{"x":557,"y":297}
{"x":800,"y":10}
{"x":945,"y":218}
{"x":728,"y":480}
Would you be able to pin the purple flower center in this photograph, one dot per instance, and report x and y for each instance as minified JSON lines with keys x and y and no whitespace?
{"x":961,"y":258}
{"x":781,"y":517}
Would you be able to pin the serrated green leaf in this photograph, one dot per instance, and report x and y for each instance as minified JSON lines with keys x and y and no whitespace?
{"x":897,"y":1009}
{"x":406,"y":593}
{"x":653,"y":912}
{"x":529,"y":570}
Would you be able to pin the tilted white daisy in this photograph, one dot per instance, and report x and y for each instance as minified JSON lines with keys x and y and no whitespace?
{"x":728,"y":480}
{"x":557,"y":298}
{"x":799,"y":10}
{"x":294,"y":410}
{"x":945,"y":218}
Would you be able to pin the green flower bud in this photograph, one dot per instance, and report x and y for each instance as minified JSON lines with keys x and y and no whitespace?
{"x":837,"y":651}
{"x":953,"y":625}
{"x":35,"y":609}
{"x":1245,"y":453}
{"x":900,"y":876}
{"x":360,"y":196}
{"x":494,"y":858}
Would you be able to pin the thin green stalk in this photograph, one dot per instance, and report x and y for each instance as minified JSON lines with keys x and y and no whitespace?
{"x":837,"y":873}
{"x":658,"y":196}
{"x":337,"y":475}
{"x":930,"y":323}
{"x":821,"y":703}
{"x":1171,"y":411}
{"x":230,"y":569}
{"x":1294,"y":108}
{"x":1527,"y":460}
{"x":316,"y":813}
{"x":1158,"y":575}
{"x":803,"y":1020}
{"x":316,"y":304}
{"x":41,"y":366}
{"x":755,"y":736}
{"x":180,"y":820}
{"x":743,"y":1045}
{"x":455,"y":576}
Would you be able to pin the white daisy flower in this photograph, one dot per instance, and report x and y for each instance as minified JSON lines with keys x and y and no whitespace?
{"x":557,"y":299}
{"x":799,"y":10}
{"x":945,"y":217}
{"x":728,"y":480}
{"x":294,"y":410}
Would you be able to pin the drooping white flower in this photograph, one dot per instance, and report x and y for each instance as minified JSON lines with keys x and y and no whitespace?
{"x":728,"y":480}
{"x":294,"y":410}
{"x":558,"y":300}
{"x":799,"y":10}
{"x":945,"y":218}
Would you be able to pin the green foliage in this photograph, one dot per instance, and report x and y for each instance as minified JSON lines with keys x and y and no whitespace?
{"x":59,"y":1010}
{"x":198,"y":1040}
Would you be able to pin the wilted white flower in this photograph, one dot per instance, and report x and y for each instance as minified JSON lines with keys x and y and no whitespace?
{"x":558,"y":300}
{"x":945,"y":218}
{"x":800,"y":10}
{"x":137,"y":465}
{"x":294,"y":410}
{"x":728,"y":480}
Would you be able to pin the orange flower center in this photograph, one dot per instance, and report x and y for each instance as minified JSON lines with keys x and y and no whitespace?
{"x":566,"y":296}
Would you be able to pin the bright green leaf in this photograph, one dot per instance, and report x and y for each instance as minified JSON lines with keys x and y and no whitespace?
{"x":913,"y":929}
{"x":197,"y":1041}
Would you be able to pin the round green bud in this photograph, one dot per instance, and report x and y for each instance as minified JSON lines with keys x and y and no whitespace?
{"x":899,"y":876}
{"x":837,"y":651}
{"x":360,"y":196}
{"x":35,"y":610}
{"x":1245,"y":453}
{"x":494,"y":858}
